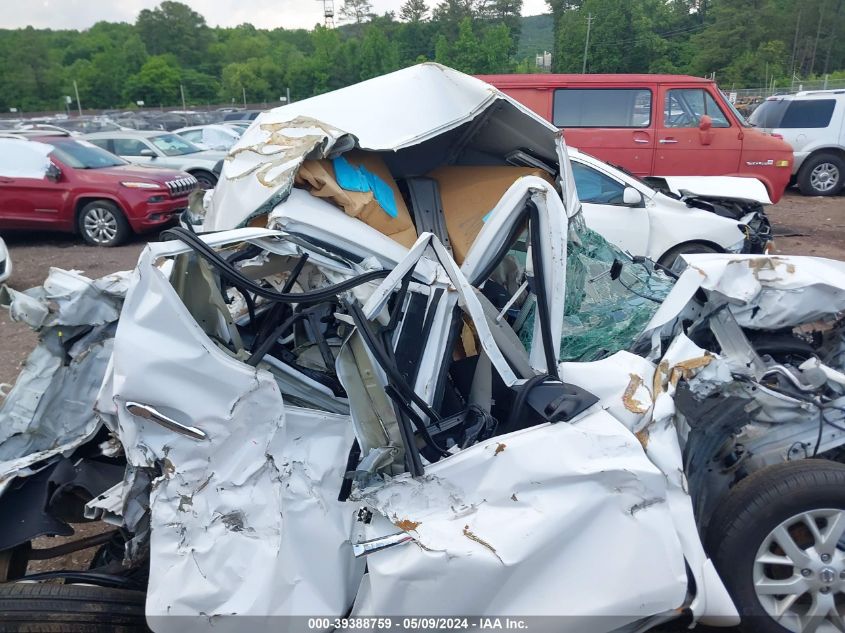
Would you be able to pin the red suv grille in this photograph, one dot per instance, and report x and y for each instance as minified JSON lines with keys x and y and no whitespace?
{"x":182,"y":186}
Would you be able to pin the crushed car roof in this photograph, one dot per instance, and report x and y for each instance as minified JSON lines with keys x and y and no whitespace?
{"x":395,"y":112}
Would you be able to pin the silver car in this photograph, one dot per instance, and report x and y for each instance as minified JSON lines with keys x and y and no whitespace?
{"x":162,"y":149}
{"x":813,"y":122}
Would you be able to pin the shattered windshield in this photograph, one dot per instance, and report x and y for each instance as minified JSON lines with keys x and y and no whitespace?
{"x":609,"y":297}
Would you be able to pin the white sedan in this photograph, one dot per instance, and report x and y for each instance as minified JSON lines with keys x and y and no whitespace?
{"x":666,"y":217}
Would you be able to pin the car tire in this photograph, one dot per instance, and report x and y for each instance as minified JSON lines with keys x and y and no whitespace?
{"x":685,"y":249}
{"x":206,"y":179}
{"x":765,"y":550}
{"x":49,"y":608}
{"x":102,"y":223}
{"x":822,"y":175}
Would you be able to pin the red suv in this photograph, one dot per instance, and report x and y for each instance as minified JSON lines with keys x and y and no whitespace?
{"x":64,"y":184}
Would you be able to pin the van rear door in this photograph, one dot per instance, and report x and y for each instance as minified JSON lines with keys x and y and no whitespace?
{"x":682,"y":141}
{"x":611,"y":123}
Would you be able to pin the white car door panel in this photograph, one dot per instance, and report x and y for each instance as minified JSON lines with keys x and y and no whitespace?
{"x":601,"y":197}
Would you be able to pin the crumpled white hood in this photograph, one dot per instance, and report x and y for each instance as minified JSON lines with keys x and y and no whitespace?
{"x":722,"y":186}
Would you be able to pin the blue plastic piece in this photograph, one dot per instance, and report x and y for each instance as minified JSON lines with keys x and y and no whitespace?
{"x":359,"y":178}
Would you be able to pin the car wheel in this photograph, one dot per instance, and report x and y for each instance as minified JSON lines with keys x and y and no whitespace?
{"x":102,"y":223}
{"x":778,"y":542}
{"x":822,"y":175}
{"x":205,"y":179}
{"x":685,"y":249}
{"x":68,"y":608}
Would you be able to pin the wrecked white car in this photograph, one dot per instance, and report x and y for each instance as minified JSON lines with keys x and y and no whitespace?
{"x":661,"y":218}
{"x":426,"y":394}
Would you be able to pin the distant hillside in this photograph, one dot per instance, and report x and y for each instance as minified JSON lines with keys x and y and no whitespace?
{"x":537,"y":35}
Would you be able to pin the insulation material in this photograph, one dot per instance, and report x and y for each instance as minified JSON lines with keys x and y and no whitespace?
{"x":375,"y":200}
{"x":20,"y":158}
{"x":468,"y":194}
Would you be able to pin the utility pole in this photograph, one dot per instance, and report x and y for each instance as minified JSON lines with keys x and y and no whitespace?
{"x":795,"y":42}
{"x":182,"y":90}
{"x":816,"y":41}
{"x":587,"y":43}
{"x":76,"y":90}
{"x":244,"y":91}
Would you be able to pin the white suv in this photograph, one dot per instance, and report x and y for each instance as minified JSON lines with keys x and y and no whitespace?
{"x":814,"y":124}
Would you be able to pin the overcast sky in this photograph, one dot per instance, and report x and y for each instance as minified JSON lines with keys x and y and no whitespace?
{"x":289,"y":14}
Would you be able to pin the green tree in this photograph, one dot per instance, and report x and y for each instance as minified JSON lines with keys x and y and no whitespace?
{"x":157,"y":83}
{"x":357,"y":11}
{"x":449,"y":14}
{"x":175,"y":28}
{"x":496,"y":46}
{"x":414,"y":11}
{"x":377,"y":54}
{"x":465,"y":53}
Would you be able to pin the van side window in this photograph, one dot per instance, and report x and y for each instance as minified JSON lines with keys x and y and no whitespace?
{"x":602,"y":107}
{"x":596,"y":188}
{"x":814,"y":113}
{"x":685,"y":107}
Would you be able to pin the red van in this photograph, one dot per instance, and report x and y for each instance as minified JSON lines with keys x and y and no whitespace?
{"x":654,"y":125}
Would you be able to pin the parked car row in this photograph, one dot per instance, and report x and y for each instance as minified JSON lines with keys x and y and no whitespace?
{"x":84,"y":190}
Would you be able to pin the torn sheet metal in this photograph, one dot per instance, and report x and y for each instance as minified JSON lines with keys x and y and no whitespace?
{"x":20,"y":158}
{"x":259,"y":170}
{"x":68,"y":298}
{"x":494,"y":526}
{"x":246,"y":521}
{"x":761,"y":292}
{"x":49,"y":411}
{"x":387,"y":113}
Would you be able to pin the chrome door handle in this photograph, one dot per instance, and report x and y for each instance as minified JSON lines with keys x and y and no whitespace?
{"x":377,"y":544}
{"x":640,"y":140}
{"x":150,"y":413}
{"x":668,"y":140}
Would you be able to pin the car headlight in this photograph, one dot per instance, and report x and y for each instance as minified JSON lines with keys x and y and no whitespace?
{"x":141,"y":185}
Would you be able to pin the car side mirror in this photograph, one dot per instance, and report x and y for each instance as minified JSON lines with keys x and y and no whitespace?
{"x":147,"y":152}
{"x":705,"y":123}
{"x":53,"y":173}
{"x":631,"y":197}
